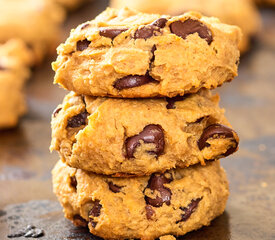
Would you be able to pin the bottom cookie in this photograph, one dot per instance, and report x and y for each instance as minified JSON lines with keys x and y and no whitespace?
{"x":176,"y":202}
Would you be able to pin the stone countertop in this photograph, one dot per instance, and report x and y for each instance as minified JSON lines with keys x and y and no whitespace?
{"x":25,"y":161}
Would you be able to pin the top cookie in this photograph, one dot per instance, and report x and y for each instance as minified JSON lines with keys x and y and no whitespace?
{"x":124,"y":53}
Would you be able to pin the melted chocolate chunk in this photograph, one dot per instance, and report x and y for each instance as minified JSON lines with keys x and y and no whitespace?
{"x":154,"y":48}
{"x":73,"y":182}
{"x":150,"y":134}
{"x":111,"y":32}
{"x":79,"y":221}
{"x":94,"y":212}
{"x":85,"y":26}
{"x":161,"y":22}
{"x":82,"y":45}
{"x":132,"y":81}
{"x":149,"y":212}
{"x":171,"y":101}
{"x":190,"y":26}
{"x":156,"y":182}
{"x":56,"y":111}
{"x":200,"y":119}
{"x":149,"y":30}
{"x":77,"y":120}
{"x":217,"y":131}
{"x":191,"y":208}
{"x":146,"y":32}
{"x":113,"y":187}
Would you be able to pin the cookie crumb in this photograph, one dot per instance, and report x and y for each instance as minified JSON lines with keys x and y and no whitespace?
{"x":28,"y":232}
{"x":167,"y":237}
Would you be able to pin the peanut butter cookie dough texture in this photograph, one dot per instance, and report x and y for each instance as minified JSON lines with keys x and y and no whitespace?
{"x":140,"y":135}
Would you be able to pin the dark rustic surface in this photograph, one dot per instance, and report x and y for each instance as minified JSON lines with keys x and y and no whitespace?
{"x":25,"y":162}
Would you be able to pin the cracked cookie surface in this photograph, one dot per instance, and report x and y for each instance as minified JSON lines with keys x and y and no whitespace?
{"x":123,"y":53}
{"x":175,"y":202}
{"x":122,"y":137}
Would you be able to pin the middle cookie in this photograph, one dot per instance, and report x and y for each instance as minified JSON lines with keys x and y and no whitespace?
{"x":138,"y":137}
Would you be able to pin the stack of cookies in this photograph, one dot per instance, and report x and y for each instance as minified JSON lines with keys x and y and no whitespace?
{"x":140,"y":134}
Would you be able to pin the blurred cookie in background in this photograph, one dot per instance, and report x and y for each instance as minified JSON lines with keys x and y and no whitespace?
{"x":242,"y":13}
{"x":71,"y":4}
{"x":266,"y":2}
{"x":15,"y":59}
{"x":37,"y":22}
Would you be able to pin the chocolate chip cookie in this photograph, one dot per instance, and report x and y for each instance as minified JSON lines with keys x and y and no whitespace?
{"x":266,"y":2}
{"x":71,"y":4}
{"x":175,"y":202}
{"x":140,"y":136}
{"x":15,"y":58}
{"x":242,"y":13}
{"x":124,"y":53}
{"x":37,"y":22}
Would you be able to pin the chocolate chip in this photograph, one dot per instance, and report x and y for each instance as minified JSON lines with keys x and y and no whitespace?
{"x":79,"y":221}
{"x":150,"y":134}
{"x":93,"y":223}
{"x":56,"y":111}
{"x":218,"y":131}
{"x":156,"y":182}
{"x":82,"y":45}
{"x":113,"y":187}
{"x":154,"y":48}
{"x":199,"y":120}
{"x":146,"y":32}
{"x":190,"y":26}
{"x":85,"y":26}
{"x":171,"y":101}
{"x":149,"y":212}
{"x":111,"y":32}
{"x":161,"y":22}
{"x":132,"y":81}
{"x":77,"y":120}
{"x":189,"y":210}
{"x":94,"y":212}
{"x":73,"y":182}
